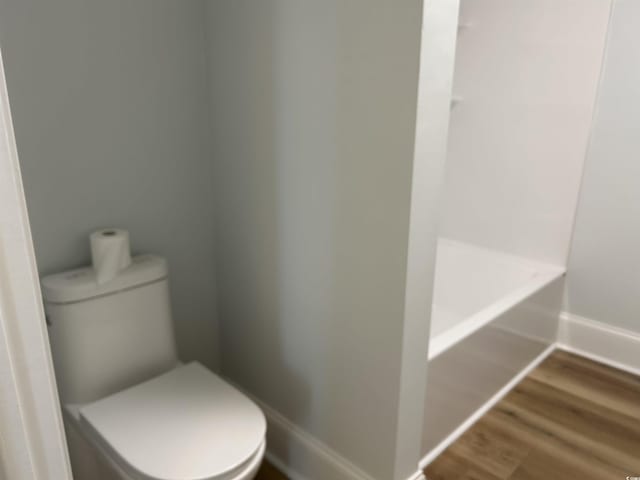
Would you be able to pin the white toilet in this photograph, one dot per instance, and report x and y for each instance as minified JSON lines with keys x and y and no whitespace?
{"x":132,"y":410}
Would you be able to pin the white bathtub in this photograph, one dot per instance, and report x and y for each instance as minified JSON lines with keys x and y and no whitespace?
{"x":493,"y":315}
{"x":474,"y":285}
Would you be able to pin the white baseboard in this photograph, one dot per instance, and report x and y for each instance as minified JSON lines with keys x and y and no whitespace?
{"x":600,"y":342}
{"x":457,"y":433}
{"x":301,"y":456}
{"x":419,"y":475}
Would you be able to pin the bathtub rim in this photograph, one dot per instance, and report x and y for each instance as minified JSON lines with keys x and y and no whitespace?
{"x":545,"y":274}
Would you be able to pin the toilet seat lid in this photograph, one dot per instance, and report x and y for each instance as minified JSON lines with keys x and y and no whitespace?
{"x":185,"y":424}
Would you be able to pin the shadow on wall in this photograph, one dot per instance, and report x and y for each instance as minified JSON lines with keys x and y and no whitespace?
{"x":263,"y":288}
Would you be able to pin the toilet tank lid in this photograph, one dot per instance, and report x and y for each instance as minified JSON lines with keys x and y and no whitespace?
{"x":80,"y":284}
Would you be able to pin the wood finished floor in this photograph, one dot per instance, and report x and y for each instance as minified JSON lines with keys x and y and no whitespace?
{"x":571,"y":418}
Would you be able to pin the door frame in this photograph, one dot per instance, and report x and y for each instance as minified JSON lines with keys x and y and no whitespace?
{"x":32,"y":439}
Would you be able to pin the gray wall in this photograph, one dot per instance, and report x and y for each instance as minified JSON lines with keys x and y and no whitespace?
{"x":604,"y":278}
{"x":111,"y":118}
{"x":314,"y":118}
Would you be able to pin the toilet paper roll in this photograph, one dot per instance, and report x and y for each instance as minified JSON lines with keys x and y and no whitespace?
{"x":110,"y":253}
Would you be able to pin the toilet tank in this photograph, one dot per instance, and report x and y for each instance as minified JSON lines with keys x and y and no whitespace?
{"x":107,"y":337}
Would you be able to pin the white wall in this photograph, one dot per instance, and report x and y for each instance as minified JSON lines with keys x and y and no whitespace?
{"x":437,"y":57}
{"x":314,"y":119}
{"x":32,"y":435}
{"x":528,"y":73}
{"x":111,"y":118}
{"x":604,"y":268}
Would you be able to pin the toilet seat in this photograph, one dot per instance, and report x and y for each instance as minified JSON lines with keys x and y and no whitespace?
{"x":186,"y":424}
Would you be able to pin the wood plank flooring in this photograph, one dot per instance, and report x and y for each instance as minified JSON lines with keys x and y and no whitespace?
{"x":571,"y":418}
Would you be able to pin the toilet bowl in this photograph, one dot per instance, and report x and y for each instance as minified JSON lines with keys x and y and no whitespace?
{"x":185,"y":424}
{"x":132,"y":411}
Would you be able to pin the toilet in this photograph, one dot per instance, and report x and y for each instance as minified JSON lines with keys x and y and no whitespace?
{"x":132,"y":410}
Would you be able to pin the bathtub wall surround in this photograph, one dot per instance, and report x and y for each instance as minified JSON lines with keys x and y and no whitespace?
{"x":603,"y":298}
{"x":314,"y":120}
{"x":526,"y":73}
